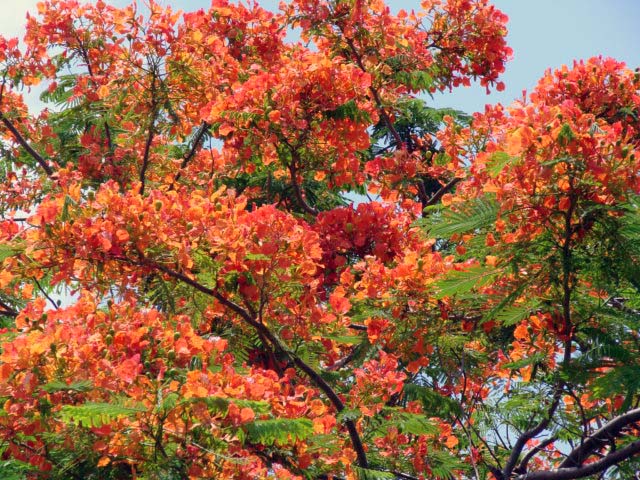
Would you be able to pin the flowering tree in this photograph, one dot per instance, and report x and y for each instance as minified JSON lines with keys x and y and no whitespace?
{"x":226,"y":314}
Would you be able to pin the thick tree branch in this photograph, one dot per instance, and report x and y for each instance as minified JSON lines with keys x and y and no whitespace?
{"x":281,"y":348}
{"x":598,"y":466}
{"x":7,"y":310}
{"x":529,"y":434}
{"x":599,"y":438}
{"x":21,"y":140}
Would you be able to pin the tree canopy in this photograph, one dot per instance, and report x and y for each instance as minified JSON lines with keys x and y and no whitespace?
{"x":188,"y":292}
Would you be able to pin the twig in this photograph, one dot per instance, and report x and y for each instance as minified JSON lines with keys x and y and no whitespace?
{"x":42,"y":290}
{"x":435,"y":198}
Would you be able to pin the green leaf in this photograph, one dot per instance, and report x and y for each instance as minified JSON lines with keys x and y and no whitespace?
{"x":59,"y":385}
{"x":566,"y":135}
{"x":346,"y":339}
{"x":348,"y":415}
{"x":256,"y":256}
{"x":537,"y":357}
{"x":497,"y":162}
{"x":443,"y":464}
{"x":458,"y":282}
{"x":467,"y":217}
{"x":279,"y":431}
{"x":96,"y":414}
{"x":432,"y":401}
{"x":7,"y":251}
{"x":413,"y":424}
{"x":221,"y":404}
{"x":511,"y":315}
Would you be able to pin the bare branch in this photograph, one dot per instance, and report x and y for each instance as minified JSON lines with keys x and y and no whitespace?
{"x":151,"y":133}
{"x":42,"y":290}
{"x":204,"y":128}
{"x":7,"y":310}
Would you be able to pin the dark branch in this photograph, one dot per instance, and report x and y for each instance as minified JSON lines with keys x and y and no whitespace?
{"x":204,"y":128}
{"x":522,"y":468}
{"x":277,"y":344}
{"x":151,"y":133}
{"x":42,"y":290}
{"x":7,"y":310}
{"x":598,"y":466}
{"x":197,"y":141}
{"x":298,"y":189}
{"x":599,"y":438}
{"x":435,"y":198}
{"x":376,"y":97}
{"x":21,"y":140}
{"x":529,"y":434}
{"x":147,"y":151}
{"x":355,"y":326}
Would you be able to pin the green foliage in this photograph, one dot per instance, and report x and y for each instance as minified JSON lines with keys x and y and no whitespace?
{"x":280,"y":431}
{"x":498,"y":161}
{"x":60,"y":386}
{"x":413,"y":117}
{"x":474,"y":215}
{"x":349,"y":111}
{"x":440,"y":405}
{"x":97,"y":414}
{"x":458,"y":282}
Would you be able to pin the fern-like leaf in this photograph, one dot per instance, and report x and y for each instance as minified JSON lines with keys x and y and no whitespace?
{"x":279,"y":431}
{"x":458,"y":282}
{"x":97,"y":414}
{"x":473,"y":215}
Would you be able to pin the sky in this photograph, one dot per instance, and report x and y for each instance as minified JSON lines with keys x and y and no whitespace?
{"x":543,"y":34}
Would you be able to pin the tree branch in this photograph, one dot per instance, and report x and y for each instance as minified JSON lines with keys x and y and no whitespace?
{"x":21,"y":140}
{"x":595,"y":441}
{"x":297,"y":188}
{"x":601,"y":465}
{"x":277,"y":344}
{"x":151,"y":133}
{"x":204,"y":128}
{"x":7,"y":310}
{"x":435,"y":198}
{"x":376,"y":96}
{"x":197,"y":140}
{"x":43,"y":291}
{"x":528,"y":435}
{"x":522,"y":468}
